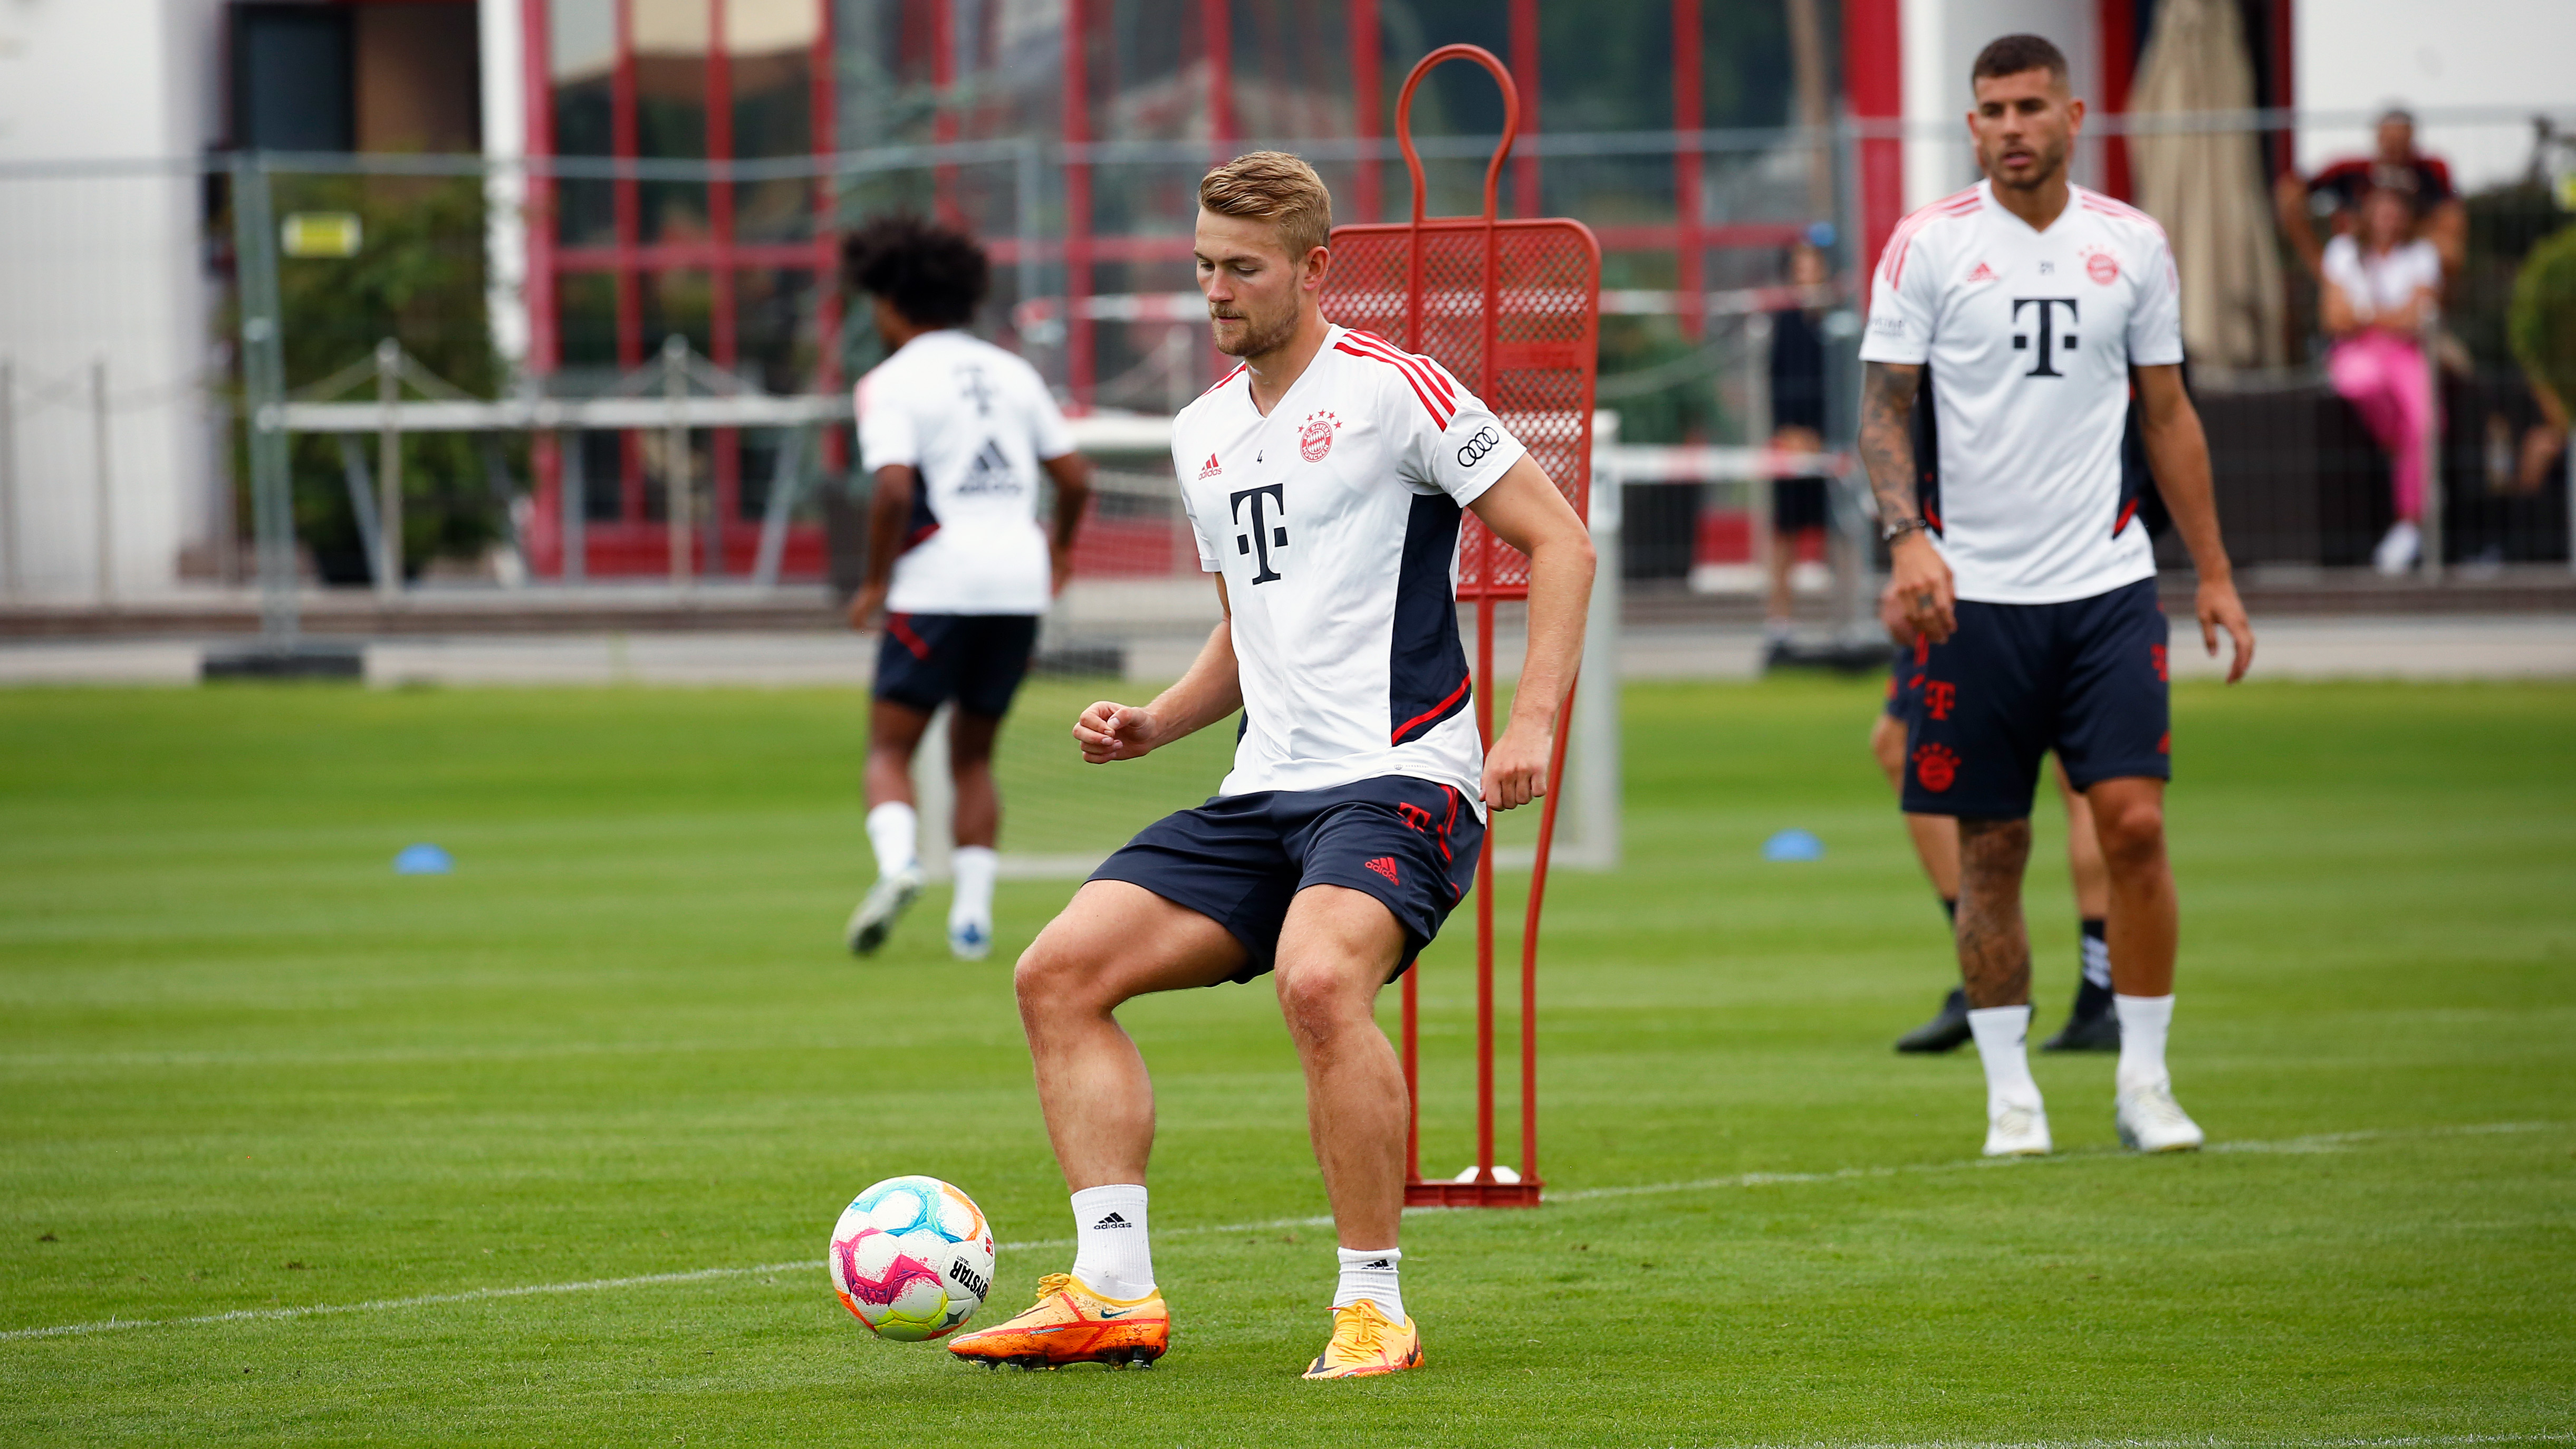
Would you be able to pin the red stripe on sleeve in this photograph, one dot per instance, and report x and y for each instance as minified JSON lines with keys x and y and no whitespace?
{"x":1420,"y":366}
{"x":1420,"y":371}
{"x":1437,"y":417}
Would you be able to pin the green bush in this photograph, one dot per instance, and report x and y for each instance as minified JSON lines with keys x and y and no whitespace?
{"x":2540,"y":323}
{"x":418,"y":277}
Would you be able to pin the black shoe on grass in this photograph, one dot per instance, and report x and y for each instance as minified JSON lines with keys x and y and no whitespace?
{"x":2091,"y":1027}
{"x":1947,"y":1029}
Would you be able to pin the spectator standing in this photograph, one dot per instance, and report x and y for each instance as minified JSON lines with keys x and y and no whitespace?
{"x":2422,"y":181}
{"x":1799,"y":506}
{"x":2382,"y":286}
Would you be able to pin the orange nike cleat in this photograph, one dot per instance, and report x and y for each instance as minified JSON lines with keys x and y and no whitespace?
{"x":1071,"y":1324}
{"x":1366,"y":1342}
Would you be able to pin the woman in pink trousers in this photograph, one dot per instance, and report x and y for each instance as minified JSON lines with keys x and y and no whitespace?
{"x":2382,"y":288}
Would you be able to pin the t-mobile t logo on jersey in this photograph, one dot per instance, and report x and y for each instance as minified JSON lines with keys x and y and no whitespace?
{"x":970,"y":381}
{"x":1265,"y":533}
{"x":2051,"y":341}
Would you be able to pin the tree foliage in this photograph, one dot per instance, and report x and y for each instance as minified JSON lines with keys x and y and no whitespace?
{"x":418,"y":277}
{"x":2540,"y":322}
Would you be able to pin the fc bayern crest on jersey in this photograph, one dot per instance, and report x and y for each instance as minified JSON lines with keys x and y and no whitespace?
{"x":2102,"y":267}
{"x":1315,"y":436}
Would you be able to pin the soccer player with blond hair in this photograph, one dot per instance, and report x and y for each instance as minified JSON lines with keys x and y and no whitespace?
{"x":1323,"y":479}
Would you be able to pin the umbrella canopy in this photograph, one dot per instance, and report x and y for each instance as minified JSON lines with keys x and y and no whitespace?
{"x":2207,"y":186}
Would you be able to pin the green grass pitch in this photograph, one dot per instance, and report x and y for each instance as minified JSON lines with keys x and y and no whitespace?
{"x":246,"y":1069}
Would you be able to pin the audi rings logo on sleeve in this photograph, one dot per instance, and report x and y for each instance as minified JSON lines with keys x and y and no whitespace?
{"x":1473,"y":451}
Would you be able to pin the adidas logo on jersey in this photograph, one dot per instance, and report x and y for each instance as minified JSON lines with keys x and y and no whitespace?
{"x":1209,"y":469}
{"x":1983,"y":273}
{"x":989,"y":473}
{"x":1384,"y":865}
{"x":1112,"y":1221}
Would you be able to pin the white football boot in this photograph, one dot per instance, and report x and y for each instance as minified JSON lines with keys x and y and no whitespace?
{"x":2151,"y":1121}
{"x":970,"y":940}
{"x":2014,"y":1130}
{"x":877,"y":910}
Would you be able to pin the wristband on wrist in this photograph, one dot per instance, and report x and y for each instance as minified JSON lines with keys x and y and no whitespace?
{"x":1890,"y":533}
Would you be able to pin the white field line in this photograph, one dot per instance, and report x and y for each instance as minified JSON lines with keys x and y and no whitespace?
{"x":2211,"y":1441}
{"x":2320,"y":1142}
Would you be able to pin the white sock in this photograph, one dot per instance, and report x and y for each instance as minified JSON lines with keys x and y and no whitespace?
{"x":1110,"y":1255}
{"x":974,"y":867}
{"x":1370,"y":1273}
{"x":890,"y":834}
{"x":2144,"y":1020}
{"x":2001,"y":1032}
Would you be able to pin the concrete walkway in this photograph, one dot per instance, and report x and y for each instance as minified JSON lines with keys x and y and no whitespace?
{"x":2504,"y":646}
{"x":2514,"y":646}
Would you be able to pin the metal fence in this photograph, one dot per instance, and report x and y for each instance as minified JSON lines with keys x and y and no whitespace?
{"x":318,"y":371}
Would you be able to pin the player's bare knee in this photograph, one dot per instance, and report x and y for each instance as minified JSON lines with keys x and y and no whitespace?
{"x":1053,"y":974}
{"x":1319,"y":1002}
{"x":2132,"y":832}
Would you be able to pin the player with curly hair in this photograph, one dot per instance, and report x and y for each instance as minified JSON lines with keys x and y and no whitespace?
{"x":954,"y":432}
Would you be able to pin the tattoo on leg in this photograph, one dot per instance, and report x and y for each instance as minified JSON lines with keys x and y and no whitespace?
{"x":1994,"y":946}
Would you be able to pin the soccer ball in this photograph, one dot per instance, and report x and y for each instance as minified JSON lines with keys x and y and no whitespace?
{"x":912,"y":1258}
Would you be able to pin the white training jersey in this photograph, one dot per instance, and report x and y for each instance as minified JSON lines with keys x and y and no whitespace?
{"x":973,"y":421}
{"x":1335,"y":523}
{"x":2028,"y":338}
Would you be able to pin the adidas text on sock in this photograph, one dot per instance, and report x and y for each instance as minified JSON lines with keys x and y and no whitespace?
{"x":1111,"y":1256}
{"x":1370,"y":1273}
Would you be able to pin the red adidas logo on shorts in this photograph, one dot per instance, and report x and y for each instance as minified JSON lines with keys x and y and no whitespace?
{"x":1385,"y":865}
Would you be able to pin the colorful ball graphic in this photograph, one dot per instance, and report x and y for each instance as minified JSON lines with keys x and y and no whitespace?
{"x":912,"y":1258}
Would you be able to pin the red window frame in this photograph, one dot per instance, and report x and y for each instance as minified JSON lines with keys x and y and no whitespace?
{"x":630,"y":545}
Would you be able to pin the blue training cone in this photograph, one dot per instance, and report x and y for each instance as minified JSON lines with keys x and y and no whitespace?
{"x":423,"y":860}
{"x":1793,"y":845}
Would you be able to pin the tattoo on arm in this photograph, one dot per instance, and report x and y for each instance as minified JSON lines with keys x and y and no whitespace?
{"x":1887,"y":437}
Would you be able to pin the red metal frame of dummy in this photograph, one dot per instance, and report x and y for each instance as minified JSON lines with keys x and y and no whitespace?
{"x":1556,"y":290}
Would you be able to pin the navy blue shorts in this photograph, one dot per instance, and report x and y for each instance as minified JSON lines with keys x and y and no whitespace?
{"x":1905,"y":677}
{"x":2085,"y":678}
{"x":926,"y":660}
{"x":1240,"y":859}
